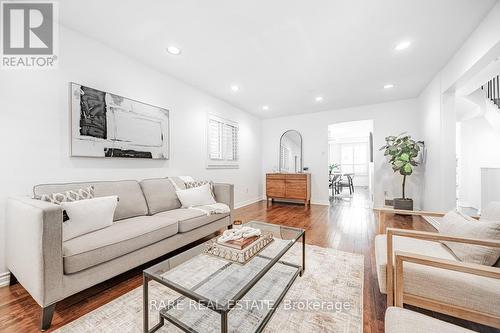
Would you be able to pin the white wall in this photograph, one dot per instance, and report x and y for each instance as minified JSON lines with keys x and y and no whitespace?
{"x":34,"y":120}
{"x":437,"y":111}
{"x":479,"y":149}
{"x":388,"y":119}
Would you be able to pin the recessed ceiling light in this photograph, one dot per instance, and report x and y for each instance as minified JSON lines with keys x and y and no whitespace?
{"x":318,"y":98}
{"x":235,"y":87}
{"x":389,"y":86}
{"x":173,"y":50}
{"x":403,"y":45}
{"x":265,"y":107}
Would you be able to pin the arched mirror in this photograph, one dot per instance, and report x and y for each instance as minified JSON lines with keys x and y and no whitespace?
{"x":291,"y":152}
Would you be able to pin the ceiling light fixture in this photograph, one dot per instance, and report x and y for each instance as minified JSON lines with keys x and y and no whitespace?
{"x":389,"y":86}
{"x":265,"y":107}
{"x":173,"y":50}
{"x":235,"y":88}
{"x":318,"y":98}
{"x":403,"y":45}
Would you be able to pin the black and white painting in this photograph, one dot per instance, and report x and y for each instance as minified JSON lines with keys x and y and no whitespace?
{"x":108,"y":125}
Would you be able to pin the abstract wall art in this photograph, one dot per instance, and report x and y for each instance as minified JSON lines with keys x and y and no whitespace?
{"x":108,"y":125}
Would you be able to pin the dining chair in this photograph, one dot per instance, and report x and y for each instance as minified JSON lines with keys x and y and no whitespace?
{"x":347,"y":182}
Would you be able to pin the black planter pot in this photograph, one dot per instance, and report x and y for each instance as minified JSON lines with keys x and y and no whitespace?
{"x":405,"y":204}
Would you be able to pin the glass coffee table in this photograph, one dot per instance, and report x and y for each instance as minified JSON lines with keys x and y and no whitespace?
{"x":218,"y":295}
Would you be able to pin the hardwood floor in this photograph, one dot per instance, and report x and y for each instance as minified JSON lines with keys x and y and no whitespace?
{"x":347,"y":225}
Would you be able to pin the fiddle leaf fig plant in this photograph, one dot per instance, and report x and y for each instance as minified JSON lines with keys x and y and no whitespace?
{"x":402,"y":152}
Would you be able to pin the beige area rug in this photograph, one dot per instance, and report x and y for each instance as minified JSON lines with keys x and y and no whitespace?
{"x":327,"y":298}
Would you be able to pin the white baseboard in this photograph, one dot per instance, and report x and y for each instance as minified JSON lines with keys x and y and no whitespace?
{"x":247,"y":202}
{"x":320,"y":202}
{"x":252,"y":201}
{"x":4,"y":279}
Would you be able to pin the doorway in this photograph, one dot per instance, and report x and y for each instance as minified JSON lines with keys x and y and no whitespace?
{"x":350,"y":162}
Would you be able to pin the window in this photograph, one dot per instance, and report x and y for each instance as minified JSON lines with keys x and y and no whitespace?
{"x":222,"y":143}
{"x":354,"y":158}
{"x":285,"y":158}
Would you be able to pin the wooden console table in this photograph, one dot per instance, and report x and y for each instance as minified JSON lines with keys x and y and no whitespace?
{"x":293,"y":186}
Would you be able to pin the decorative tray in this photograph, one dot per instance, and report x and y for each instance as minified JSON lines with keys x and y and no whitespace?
{"x":239,"y":256}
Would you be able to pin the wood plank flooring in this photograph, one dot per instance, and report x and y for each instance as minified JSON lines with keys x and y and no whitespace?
{"x":347,"y":225}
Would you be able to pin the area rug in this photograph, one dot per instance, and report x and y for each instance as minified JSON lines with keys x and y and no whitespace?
{"x":327,"y":298}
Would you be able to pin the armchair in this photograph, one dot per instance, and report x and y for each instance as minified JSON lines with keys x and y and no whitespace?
{"x":436,"y":280}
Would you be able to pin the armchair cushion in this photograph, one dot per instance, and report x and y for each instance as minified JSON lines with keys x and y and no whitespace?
{"x":456,"y":224}
{"x":399,"y":320}
{"x":454,"y":288}
{"x":405,"y":244}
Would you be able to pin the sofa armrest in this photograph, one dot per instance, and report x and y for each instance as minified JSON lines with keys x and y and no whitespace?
{"x":224,"y":193}
{"x":34,"y":246}
{"x":454,"y":266}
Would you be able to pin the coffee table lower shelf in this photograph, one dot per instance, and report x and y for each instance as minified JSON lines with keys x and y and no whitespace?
{"x":249,"y":315}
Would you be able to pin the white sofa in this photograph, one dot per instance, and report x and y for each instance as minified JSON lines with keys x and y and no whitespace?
{"x":149,"y":223}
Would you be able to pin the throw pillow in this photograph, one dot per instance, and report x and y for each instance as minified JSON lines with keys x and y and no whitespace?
{"x":196,"y":183}
{"x":459,"y":225}
{"x":196,"y":196}
{"x":88,"y":215}
{"x":69,"y":196}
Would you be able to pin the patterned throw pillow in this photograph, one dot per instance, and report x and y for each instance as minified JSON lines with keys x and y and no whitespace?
{"x":69,"y":196}
{"x":198,"y":183}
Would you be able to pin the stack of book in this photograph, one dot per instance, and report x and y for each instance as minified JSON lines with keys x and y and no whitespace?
{"x":241,"y":250}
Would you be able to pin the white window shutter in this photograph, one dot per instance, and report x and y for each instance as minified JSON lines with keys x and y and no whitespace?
{"x":215,"y":139}
{"x":231,"y":142}
{"x":222,"y":143}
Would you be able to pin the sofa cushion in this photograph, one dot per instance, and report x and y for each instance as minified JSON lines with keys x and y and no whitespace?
{"x":455,"y":288}
{"x":190,"y":219}
{"x":399,"y":320}
{"x":160,"y":195}
{"x":121,"y":238}
{"x":131,"y":200}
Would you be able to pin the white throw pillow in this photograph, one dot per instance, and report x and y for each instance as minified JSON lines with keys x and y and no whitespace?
{"x":457,"y":224}
{"x":88,"y":215}
{"x":196,"y":196}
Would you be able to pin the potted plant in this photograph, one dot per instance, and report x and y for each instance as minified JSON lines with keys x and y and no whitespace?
{"x":334,"y":168}
{"x":402,"y":152}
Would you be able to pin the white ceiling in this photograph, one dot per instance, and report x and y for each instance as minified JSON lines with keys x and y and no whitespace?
{"x":284,"y":53}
